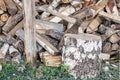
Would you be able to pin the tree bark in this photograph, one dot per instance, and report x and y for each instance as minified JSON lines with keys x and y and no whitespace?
{"x":81,"y":54}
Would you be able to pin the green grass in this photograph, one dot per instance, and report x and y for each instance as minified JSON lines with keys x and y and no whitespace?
{"x":23,"y":72}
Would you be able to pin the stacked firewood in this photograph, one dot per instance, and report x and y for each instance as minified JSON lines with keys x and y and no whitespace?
{"x":55,"y":18}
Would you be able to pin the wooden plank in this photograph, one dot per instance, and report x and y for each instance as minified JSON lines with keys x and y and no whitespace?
{"x":2,"y":5}
{"x":29,"y":27}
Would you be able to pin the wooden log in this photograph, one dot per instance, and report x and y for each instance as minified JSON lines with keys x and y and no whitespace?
{"x":29,"y":27}
{"x":76,"y":3}
{"x":20,"y":34}
{"x":93,"y":26}
{"x":50,"y":40}
{"x":12,"y":21}
{"x":110,"y":16}
{"x":65,"y":1}
{"x":54,"y":12}
{"x":53,"y":5}
{"x":115,"y":46}
{"x":114,"y":38}
{"x":40,"y":24}
{"x":66,"y":12}
{"x":80,"y":54}
{"x":4,"y":49}
{"x":54,"y":34}
{"x":16,"y":28}
{"x":19,"y":3}
{"x":106,"y":47}
{"x":13,"y":51}
{"x":4,"y":17}
{"x":104,"y":56}
{"x":46,"y":45}
{"x":50,"y":60}
{"x":2,"y":5}
{"x":86,"y":3}
{"x":12,"y":9}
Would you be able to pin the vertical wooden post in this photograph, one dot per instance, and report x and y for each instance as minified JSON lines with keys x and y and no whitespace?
{"x":30,"y":42}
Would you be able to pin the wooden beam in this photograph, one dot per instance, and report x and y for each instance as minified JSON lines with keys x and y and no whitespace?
{"x":29,"y":27}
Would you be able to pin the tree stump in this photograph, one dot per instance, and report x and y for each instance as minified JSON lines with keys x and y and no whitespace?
{"x":81,"y":54}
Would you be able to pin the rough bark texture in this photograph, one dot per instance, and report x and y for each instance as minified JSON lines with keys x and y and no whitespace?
{"x":80,"y":53}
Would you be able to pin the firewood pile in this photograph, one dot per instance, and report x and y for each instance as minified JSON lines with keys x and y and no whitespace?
{"x":55,"y":18}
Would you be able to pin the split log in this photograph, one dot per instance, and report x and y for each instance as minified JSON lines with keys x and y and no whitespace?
{"x":1,"y":25}
{"x":115,"y":46}
{"x":65,"y":1}
{"x":20,"y":34}
{"x":12,"y":21}
{"x":50,"y":60}
{"x":44,"y":25}
{"x":12,"y":9}
{"x":110,"y":16}
{"x":46,"y":45}
{"x":54,"y":34}
{"x":13,"y":51}
{"x":4,"y":49}
{"x":106,"y":47}
{"x":53,"y":5}
{"x":93,"y":26}
{"x":104,"y":56}
{"x":2,"y":5}
{"x":4,"y":17}
{"x":114,"y":38}
{"x":50,"y":40}
{"x":80,"y":53}
{"x":16,"y":28}
{"x":66,"y":12}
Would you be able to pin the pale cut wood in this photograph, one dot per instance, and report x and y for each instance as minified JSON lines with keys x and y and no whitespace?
{"x":46,"y":45}
{"x":104,"y":56}
{"x":16,"y":28}
{"x":53,"y":5}
{"x":115,"y":46}
{"x":4,"y":17}
{"x":4,"y":49}
{"x":86,"y":3}
{"x":110,"y":16}
{"x":65,"y":1}
{"x":114,"y":38}
{"x":93,"y":26}
{"x":12,"y":9}
{"x":80,"y":53}
{"x":29,"y":27}
{"x":2,"y":5}
{"x":50,"y":60}
{"x":1,"y":11}
{"x":12,"y":22}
